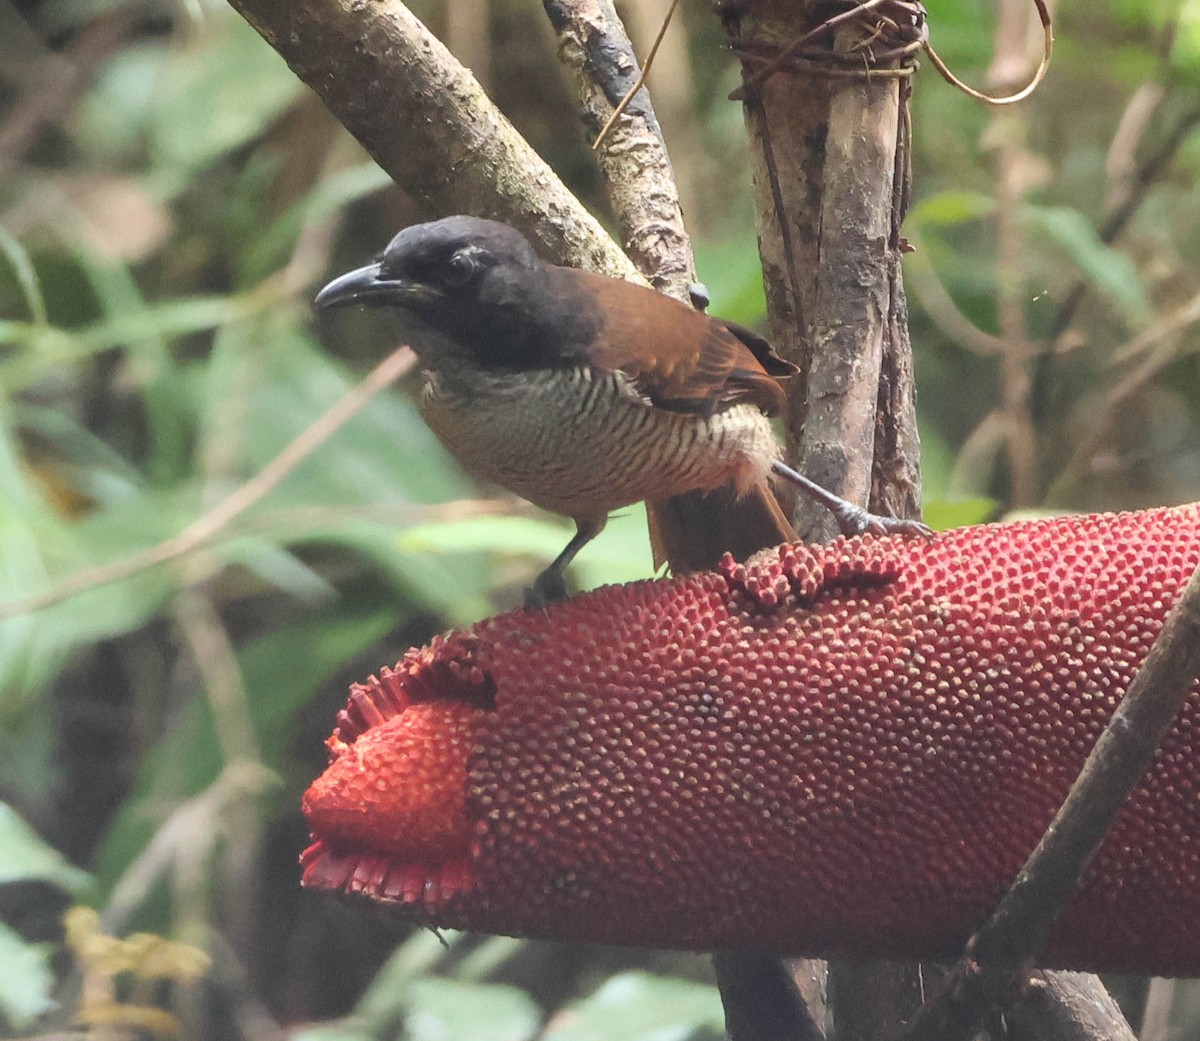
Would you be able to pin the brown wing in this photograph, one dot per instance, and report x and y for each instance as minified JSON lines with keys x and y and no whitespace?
{"x":679,"y":358}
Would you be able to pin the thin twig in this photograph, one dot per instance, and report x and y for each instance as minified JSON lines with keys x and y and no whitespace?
{"x":181,"y":834}
{"x":221,"y":678}
{"x":1155,"y":354}
{"x":1116,"y":222}
{"x":1100,"y":426}
{"x":1023,"y":93}
{"x":640,"y":81}
{"x":754,"y":81}
{"x":998,"y":957}
{"x":200,"y":531}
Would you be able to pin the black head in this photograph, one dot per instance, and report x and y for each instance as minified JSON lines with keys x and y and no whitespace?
{"x":478,"y":282}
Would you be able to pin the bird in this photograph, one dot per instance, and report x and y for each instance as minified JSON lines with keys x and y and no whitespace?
{"x":584,"y":394}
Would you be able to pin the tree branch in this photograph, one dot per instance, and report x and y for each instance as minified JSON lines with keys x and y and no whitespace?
{"x":1067,"y":1006}
{"x":633,"y":158}
{"x":427,"y":122}
{"x":761,"y":1000}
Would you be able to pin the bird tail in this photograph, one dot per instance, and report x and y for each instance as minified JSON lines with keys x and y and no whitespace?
{"x":692,"y":531}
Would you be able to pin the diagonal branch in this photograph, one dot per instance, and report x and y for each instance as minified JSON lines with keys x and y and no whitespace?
{"x":427,"y":121}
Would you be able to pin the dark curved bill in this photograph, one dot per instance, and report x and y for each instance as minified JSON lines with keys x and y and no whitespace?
{"x":361,"y":286}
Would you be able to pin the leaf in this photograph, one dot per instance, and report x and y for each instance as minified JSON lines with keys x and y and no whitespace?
{"x":1185,"y":51}
{"x":449,"y":1010}
{"x":352,"y":1029}
{"x":26,"y":857}
{"x":952,"y":207}
{"x":620,"y":553}
{"x":385,"y":454}
{"x":278,"y":568}
{"x":26,"y":276}
{"x":942,"y":514}
{"x":26,"y":981}
{"x":159,"y":378}
{"x":451,"y":585}
{"x":284,"y":669}
{"x":433,"y":1008}
{"x":637,"y":1004}
{"x":214,"y":98}
{"x":420,"y":954}
{"x":327,"y":196}
{"x":732,"y":271}
{"x":44,"y":347}
{"x":1110,"y":272}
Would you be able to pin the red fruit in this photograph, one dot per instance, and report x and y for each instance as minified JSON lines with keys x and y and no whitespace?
{"x":847,"y":749}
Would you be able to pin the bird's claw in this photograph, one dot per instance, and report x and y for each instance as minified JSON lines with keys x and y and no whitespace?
{"x":854,"y":520}
{"x":548,"y":588}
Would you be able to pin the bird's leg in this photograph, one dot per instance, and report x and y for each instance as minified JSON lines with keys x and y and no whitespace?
{"x":851,"y":519}
{"x":550,"y":585}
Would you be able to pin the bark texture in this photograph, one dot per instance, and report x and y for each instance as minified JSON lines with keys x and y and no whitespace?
{"x":633,"y":157}
{"x":830,"y":168}
{"x":427,"y":121}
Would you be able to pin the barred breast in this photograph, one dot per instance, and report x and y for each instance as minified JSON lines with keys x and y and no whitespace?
{"x":582,"y":443}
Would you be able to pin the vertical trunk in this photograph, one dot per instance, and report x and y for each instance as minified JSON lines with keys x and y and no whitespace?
{"x":829,"y":152}
{"x":830,"y":167}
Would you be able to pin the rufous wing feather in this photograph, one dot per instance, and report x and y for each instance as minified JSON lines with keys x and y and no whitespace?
{"x":680,"y":359}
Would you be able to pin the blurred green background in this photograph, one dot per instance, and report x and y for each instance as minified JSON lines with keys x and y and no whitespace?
{"x":171,"y":197}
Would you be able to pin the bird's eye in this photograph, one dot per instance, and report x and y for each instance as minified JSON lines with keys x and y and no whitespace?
{"x":459,"y":269}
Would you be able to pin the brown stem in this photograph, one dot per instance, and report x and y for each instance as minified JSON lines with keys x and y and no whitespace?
{"x":896,"y":475}
{"x":1067,"y":1006}
{"x":854,"y":301}
{"x":874,"y":999}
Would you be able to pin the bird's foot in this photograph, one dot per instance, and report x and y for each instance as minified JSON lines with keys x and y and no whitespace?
{"x":854,"y":520}
{"x":851,"y":519}
{"x":548,"y":588}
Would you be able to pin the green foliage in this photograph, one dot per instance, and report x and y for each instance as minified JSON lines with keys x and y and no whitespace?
{"x":24,"y":857}
{"x":26,"y":981}
{"x":1111,"y":273}
{"x":635,"y":1004}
